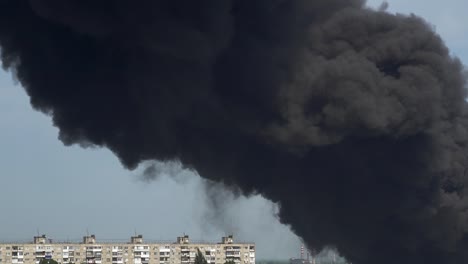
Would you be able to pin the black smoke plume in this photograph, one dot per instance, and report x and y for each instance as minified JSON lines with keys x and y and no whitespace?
{"x":353,"y":120}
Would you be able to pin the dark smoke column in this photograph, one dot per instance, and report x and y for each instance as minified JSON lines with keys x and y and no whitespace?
{"x":353,"y":120}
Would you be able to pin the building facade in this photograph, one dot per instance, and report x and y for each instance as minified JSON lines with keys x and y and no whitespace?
{"x":136,"y":251}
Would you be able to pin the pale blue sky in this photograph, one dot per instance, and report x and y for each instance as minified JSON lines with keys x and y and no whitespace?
{"x":87,"y":189}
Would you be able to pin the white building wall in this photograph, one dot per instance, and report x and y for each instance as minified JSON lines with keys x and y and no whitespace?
{"x":126,"y":253}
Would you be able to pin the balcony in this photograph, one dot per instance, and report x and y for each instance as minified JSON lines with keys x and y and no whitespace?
{"x":117,"y":260}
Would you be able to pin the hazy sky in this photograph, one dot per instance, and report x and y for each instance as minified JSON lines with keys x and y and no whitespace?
{"x":65,"y":191}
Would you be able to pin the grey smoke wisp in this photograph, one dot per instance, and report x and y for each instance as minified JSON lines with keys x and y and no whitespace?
{"x":353,"y":120}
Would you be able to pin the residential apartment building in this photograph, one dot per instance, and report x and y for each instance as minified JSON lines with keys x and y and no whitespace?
{"x":136,"y":251}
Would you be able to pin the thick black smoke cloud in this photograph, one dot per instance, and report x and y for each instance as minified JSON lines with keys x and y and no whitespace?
{"x":353,"y":120}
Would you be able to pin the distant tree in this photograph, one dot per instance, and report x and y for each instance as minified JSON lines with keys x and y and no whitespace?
{"x":272,"y":261}
{"x":229,"y":261}
{"x":48,"y":261}
{"x":199,"y":258}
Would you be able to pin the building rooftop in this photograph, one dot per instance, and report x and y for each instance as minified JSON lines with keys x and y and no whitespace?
{"x":137,"y":239}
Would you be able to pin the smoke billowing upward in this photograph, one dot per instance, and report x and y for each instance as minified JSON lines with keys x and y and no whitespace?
{"x":353,"y":120}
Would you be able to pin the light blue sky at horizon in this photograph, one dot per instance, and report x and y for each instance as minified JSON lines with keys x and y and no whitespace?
{"x":65,"y":191}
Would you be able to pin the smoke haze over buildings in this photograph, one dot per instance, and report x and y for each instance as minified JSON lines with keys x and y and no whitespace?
{"x":353,"y":120}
